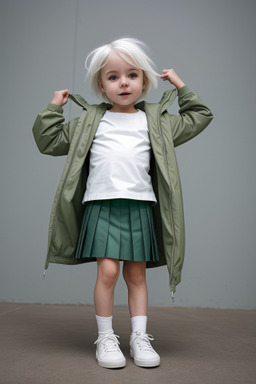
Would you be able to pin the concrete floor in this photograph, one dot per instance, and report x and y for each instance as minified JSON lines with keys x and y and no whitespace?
{"x":44,"y":344}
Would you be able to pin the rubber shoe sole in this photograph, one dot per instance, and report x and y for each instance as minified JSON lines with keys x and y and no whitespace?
{"x":147,"y":363}
{"x":111,"y":364}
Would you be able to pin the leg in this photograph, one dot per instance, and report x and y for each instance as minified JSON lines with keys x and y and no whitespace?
{"x":135,"y":277}
{"x":108,"y":353}
{"x":140,"y":348}
{"x":108,"y":272}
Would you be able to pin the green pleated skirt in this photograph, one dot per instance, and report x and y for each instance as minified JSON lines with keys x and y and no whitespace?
{"x":120,"y":229}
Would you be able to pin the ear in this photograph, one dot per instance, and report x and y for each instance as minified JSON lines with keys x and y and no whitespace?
{"x":144,"y":82}
{"x":100,"y":85}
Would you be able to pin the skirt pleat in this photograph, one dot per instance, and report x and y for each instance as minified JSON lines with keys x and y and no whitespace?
{"x":101,"y":229}
{"x":125,"y":236}
{"x":90,"y":228}
{"x":146,"y":233}
{"x":113,"y":236}
{"x":120,"y":229}
{"x":155,"y":256}
{"x":86,"y":216}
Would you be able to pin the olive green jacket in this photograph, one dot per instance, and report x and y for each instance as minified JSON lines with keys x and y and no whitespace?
{"x":55,"y":137}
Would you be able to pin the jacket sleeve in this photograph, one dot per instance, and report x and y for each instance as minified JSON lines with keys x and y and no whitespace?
{"x":51,"y":135}
{"x":194,"y":116}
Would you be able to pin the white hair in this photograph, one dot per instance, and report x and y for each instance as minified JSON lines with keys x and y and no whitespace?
{"x":127,"y":48}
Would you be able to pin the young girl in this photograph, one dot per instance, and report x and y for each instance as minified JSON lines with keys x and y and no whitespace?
{"x":119,"y":197}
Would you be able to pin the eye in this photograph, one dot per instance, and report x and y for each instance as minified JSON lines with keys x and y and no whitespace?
{"x":113,"y":77}
{"x":133,"y":75}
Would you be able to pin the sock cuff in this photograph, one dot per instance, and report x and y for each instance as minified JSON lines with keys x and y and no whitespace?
{"x":104,"y":324}
{"x":139,"y":317}
{"x":139,"y":323}
{"x":103,"y":318}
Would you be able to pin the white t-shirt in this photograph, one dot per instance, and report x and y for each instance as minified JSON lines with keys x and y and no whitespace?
{"x":120,"y":159}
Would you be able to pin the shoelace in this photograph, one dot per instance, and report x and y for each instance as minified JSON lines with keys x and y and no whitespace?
{"x":143,"y":341}
{"x":109,"y":341}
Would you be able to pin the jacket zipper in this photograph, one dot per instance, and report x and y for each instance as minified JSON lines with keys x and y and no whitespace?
{"x":170,"y":200}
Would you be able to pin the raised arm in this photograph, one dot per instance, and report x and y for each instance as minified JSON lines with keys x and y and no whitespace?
{"x":52,"y":136}
{"x":172,"y":77}
{"x":194,"y":115}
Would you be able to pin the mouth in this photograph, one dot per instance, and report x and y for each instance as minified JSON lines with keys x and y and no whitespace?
{"x":124,"y":94}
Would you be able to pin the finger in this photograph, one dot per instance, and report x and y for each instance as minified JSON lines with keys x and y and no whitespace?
{"x":164,"y":76}
{"x":65,"y":92}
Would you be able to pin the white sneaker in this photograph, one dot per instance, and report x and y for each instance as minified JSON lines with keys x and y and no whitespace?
{"x":142,"y":351}
{"x":108,"y":353}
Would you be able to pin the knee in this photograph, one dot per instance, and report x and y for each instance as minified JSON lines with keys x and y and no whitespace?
{"x":108,"y":273}
{"x":134,"y":276}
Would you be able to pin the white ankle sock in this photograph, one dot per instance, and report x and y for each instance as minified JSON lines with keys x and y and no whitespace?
{"x":104,"y":324}
{"x":139,"y":323}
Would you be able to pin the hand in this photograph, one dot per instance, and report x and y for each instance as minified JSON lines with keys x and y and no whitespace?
{"x":172,"y":77}
{"x":60,"y":97}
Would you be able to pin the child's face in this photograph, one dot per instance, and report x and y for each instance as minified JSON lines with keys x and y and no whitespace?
{"x":122,"y":83}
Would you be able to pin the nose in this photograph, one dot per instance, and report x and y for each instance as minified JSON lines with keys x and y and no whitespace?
{"x":123,"y":81}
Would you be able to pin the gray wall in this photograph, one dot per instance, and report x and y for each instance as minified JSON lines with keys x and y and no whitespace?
{"x":211,"y":45}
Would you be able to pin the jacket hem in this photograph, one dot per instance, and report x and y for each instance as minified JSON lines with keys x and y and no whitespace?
{"x":74,"y":261}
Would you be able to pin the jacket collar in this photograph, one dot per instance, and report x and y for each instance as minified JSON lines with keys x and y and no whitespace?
{"x":165,"y":102}
{"x":79,"y":100}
